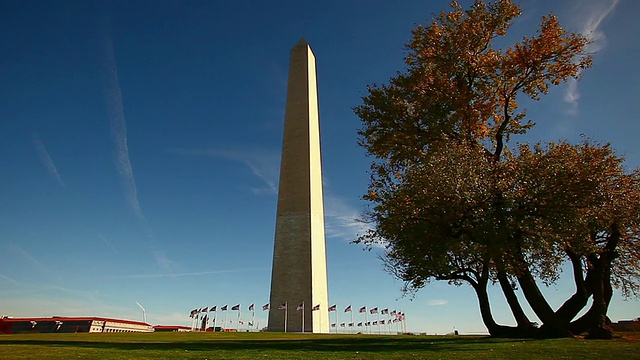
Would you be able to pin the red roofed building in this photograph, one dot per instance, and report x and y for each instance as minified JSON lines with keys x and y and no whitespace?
{"x":171,"y":328}
{"x":61,"y":324}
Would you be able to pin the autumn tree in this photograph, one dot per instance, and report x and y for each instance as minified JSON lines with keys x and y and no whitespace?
{"x":452,"y":201}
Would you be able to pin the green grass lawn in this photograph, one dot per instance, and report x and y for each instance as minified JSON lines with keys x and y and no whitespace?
{"x":305,"y":346}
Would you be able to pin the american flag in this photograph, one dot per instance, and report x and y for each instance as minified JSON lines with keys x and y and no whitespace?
{"x":363,"y":309}
{"x":375,"y":323}
{"x":205,"y":309}
{"x":333,"y":325}
{"x":347,"y":309}
{"x":382,"y":322}
{"x":213,"y":308}
{"x":385,"y":311}
{"x":350,"y":324}
{"x":236,"y":307}
{"x":300,"y":307}
{"x":374,"y":310}
{"x":359,"y":324}
{"x":265,"y":307}
{"x":332,"y":307}
{"x":394,"y":313}
{"x":317,"y":307}
{"x":341,"y":324}
{"x":283,"y":307}
{"x":224,"y":308}
{"x":368,"y":323}
{"x":251,"y":307}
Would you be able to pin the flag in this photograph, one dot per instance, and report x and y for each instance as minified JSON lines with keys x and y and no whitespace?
{"x":363,"y":309}
{"x":359,"y":324}
{"x":250,"y":323}
{"x":300,"y":307}
{"x":213,"y":308}
{"x":394,"y":313}
{"x":251,"y":307}
{"x":385,"y":311}
{"x":350,"y":324}
{"x":240,"y":322}
{"x":193,"y":313}
{"x":382,"y":322}
{"x":224,"y":308}
{"x":332,"y":307}
{"x":283,"y":307}
{"x":374,"y":310}
{"x":368,"y":323}
{"x":375,"y":323}
{"x":205,"y":309}
{"x":317,"y":307}
{"x":236,"y":307}
{"x":341,"y":324}
{"x":347,"y":309}
{"x":333,"y":325}
{"x":265,"y":307}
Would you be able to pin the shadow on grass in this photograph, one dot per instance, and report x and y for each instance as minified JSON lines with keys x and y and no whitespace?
{"x":346,"y":344}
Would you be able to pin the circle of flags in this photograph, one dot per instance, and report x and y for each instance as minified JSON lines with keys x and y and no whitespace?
{"x":207,"y":318}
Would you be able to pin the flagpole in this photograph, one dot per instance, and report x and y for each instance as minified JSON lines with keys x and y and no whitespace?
{"x":253,"y":317}
{"x":286,"y":310}
{"x":225,"y":318}
{"x":366,"y":319}
{"x":215,"y":318}
{"x":238,"y":322}
{"x":302,"y":317}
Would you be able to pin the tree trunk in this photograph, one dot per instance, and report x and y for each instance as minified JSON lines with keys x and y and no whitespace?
{"x":602,"y":291}
{"x":495,"y":330}
{"x":584,"y":289}
{"x":524,"y":324}
{"x":552,"y":327}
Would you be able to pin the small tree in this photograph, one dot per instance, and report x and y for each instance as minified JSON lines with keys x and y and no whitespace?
{"x":451,"y":201}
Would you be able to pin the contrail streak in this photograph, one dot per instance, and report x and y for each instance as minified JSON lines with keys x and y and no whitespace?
{"x":46,"y":160}
{"x":119,"y":132}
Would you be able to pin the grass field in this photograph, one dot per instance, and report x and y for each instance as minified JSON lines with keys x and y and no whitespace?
{"x":305,"y":346}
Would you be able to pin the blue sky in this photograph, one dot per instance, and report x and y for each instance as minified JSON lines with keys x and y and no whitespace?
{"x":140,"y":143}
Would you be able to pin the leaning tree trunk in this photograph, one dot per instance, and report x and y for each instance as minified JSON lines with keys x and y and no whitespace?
{"x":525,"y":328}
{"x":495,"y":330}
{"x":552,"y":327}
{"x":584,"y":289}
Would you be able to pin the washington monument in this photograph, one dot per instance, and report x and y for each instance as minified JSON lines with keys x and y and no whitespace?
{"x":299,"y":274}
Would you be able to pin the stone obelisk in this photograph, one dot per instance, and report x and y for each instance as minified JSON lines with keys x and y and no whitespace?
{"x":299,"y":274}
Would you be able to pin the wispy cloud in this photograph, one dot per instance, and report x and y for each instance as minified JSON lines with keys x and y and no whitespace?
{"x":119,"y":131}
{"x":8,"y":279}
{"x":263,"y":164}
{"x":342,"y":220}
{"x":589,"y":17}
{"x":185,"y":274}
{"x":167,"y":265}
{"x":46,"y":160}
{"x":108,"y":243}
{"x":30,"y":259}
{"x":437,"y":302}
